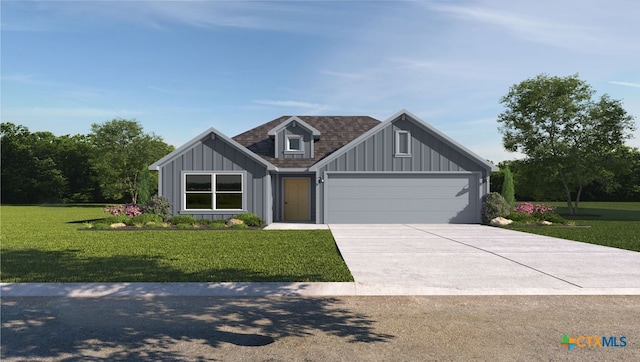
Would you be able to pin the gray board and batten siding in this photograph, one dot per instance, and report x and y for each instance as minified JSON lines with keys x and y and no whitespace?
{"x":439,"y":181}
{"x":212,"y":152}
{"x":401,"y":170}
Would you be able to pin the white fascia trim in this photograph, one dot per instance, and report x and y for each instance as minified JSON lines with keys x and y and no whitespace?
{"x":156,"y":165}
{"x":418,"y":121}
{"x":275,"y":130}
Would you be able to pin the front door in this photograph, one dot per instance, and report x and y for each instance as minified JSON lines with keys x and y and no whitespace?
{"x":296,"y":199}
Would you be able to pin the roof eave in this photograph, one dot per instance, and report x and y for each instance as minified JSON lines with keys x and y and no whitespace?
{"x":488,"y":166}
{"x":161,"y":162}
{"x":272,"y":132}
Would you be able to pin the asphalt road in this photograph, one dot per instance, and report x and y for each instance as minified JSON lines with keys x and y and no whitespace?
{"x":509,"y":328}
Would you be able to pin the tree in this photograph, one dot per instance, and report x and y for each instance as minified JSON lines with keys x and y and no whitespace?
{"x":508,"y":191}
{"x":121,"y":151}
{"x":622,"y":181}
{"x":563,"y":132}
{"x":144,"y":191}
{"x":29,"y":170}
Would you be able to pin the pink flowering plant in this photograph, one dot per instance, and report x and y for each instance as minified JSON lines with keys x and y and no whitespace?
{"x":528,"y":212}
{"x":533,"y":209}
{"x":128,"y":210}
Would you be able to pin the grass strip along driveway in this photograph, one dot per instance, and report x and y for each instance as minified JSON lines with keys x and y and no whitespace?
{"x":615,"y":224}
{"x":43,"y":244}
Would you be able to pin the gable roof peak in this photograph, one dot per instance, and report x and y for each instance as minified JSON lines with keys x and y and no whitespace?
{"x":213,"y":134}
{"x":295,"y":120}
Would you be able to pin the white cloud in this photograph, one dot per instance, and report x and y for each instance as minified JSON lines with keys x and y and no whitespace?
{"x":548,"y":24}
{"x":293,"y":104}
{"x":626,"y":84}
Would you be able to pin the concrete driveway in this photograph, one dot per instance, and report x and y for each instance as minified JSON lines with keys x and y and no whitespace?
{"x":476,"y":260}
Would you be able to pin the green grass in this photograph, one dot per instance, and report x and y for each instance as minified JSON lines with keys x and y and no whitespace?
{"x":615,"y":224}
{"x":43,"y":244}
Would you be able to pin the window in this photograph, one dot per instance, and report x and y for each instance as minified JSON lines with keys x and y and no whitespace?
{"x":403,"y":143}
{"x":294,"y":143}
{"x":213,"y":191}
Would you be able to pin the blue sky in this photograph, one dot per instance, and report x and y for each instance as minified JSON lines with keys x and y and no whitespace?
{"x":180,"y":67}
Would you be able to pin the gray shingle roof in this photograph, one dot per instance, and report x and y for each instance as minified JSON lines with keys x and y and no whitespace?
{"x":336,"y":131}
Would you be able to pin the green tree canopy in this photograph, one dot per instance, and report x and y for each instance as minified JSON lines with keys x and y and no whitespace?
{"x":29,"y":170}
{"x":563,"y":131}
{"x":121,"y":151}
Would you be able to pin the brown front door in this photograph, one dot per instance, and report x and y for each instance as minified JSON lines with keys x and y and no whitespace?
{"x":296,"y":199}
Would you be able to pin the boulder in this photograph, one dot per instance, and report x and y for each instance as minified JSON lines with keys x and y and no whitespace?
{"x":118,"y":225}
{"x":545,"y":222}
{"x":235,"y":222}
{"x":500,"y":221}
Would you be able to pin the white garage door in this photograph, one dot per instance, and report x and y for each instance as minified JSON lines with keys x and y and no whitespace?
{"x":403,"y":198}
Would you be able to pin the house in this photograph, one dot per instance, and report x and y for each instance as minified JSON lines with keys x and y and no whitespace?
{"x":327,"y":169}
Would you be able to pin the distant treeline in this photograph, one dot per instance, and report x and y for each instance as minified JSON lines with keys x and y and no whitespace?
{"x":106,"y":165}
{"x":110,"y":165}
{"x":620,"y":183}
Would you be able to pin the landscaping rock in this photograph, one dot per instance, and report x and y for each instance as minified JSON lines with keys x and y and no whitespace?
{"x":118,"y":225}
{"x":235,"y":222}
{"x":545,"y":222}
{"x":500,"y":221}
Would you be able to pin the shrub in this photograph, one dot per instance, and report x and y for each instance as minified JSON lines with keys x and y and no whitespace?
{"x":521,"y":217}
{"x":218,"y":224}
{"x":116,"y":219}
{"x":531,"y":209}
{"x":184,"y":225}
{"x":494,"y":205}
{"x":101,"y":225}
{"x":158,"y":205}
{"x":239,"y":226}
{"x":146,"y":218}
{"x":508,"y":190}
{"x":128,"y":210}
{"x":183,"y":219}
{"x":144,"y":185}
{"x":553,"y":217}
{"x":529,"y":212}
{"x":250,"y":219}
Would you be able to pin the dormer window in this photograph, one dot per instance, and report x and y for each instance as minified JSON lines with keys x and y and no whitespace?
{"x":294,"y":143}
{"x":293,"y":138}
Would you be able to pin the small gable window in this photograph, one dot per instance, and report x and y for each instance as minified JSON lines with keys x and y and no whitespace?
{"x":403,"y":143}
{"x":294,"y":143}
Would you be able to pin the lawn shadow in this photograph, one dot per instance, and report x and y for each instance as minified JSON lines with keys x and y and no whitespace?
{"x":166,"y":328}
{"x":68,"y":266}
{"x":600,"y":214}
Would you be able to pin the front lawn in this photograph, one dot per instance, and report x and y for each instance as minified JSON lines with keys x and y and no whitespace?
{"x":43,"y":244}
{"x":615,"y":224}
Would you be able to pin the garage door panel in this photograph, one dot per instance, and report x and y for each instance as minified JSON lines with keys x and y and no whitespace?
{"x":391,"y":180}
{"x":402,"y":217}
{"x":404,"y":204}
{"x":424,"y":192}
{"x":385,"y":198}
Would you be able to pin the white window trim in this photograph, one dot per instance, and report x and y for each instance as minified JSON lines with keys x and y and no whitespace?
{"x":397,"y":144}
{"x":213,"y":191}
{"x":288,"y":143}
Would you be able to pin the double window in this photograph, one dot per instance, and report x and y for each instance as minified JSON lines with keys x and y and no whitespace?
{"x":213,"y":191}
